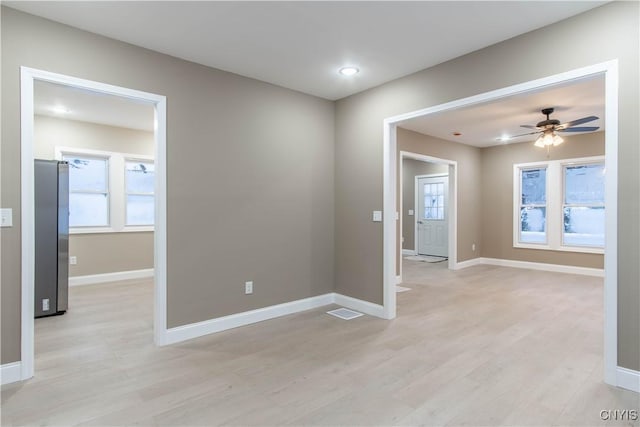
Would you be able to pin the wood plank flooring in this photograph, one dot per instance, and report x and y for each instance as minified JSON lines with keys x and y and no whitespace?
{"x":481,"y":346}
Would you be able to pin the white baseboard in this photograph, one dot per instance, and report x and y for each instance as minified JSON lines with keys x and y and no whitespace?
{"x":110,"y":277}
{"x":628,"y":379}
{"x":468,"y":263}
{"x":570,"y":269}
{"x":194,"y":330}
{"x":409,"y":252}
{"x":11,"y":372}
{"x":206,"y":327}
{"x":357,"y":304}
{"x":597,"y":272}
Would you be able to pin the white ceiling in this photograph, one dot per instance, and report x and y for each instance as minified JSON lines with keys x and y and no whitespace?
{"x":301,"y":45}
{"x":481,"y":125}
{"x":87,"y":106}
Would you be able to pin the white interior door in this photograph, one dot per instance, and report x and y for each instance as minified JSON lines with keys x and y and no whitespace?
{"x":432,"y":220}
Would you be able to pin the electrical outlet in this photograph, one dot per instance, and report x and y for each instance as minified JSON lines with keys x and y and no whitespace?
{"x":473,"y":247}
{"x":45,"y":304}
{"x":73,"y":260}
{"x":248,"y":288}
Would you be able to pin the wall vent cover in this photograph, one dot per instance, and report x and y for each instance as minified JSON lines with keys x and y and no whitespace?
{"x":344,"y":313}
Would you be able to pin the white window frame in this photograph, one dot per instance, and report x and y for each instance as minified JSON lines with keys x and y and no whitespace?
{"x":107,"y":188}
{"x":130,"y":159}
{"x":554,"y":204}
{"x":518,"y":205}
{"x":116,"y":186}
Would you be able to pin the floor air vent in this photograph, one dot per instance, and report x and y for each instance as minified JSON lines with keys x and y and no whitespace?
{"x":344,"y":313}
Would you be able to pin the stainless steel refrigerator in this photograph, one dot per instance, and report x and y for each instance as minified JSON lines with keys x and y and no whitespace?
{"x":51,"y":237}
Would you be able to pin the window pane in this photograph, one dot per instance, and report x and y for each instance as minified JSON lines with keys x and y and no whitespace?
{"x":140,"y":210}
{"x":584,"y":184}
{"x":88,"y":209}
{"x":87,"y":174}
{"x":140,"y":177}
{"x":434,"y":201}
{"x":533,"y":225}
{"x":583,"y":226}
{"x":534,"y":186}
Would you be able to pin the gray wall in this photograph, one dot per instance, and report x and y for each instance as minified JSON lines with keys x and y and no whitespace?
{"x":497,"y":198}
{"x":50,"y":132}
{"x":98,"y":253}
{"x":270,"y":220}
{"x":410,"y":169}
{"x":110,"y":252}
{"x":605,"y":33}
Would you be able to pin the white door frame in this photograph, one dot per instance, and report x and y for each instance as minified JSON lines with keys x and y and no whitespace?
{"x":416,"y":208}
{"x":452,"y":212}
{"x":28,"y":76}
{"x":607,"y":69}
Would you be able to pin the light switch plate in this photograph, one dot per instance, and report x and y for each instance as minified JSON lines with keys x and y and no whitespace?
{"x":6,"y":217}
{"x":410,"y":212}
{"x":377,"y":216}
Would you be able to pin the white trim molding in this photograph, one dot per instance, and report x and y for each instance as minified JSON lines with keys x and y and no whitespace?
{"x":211,"y":326}
{"x":628,"y":379}
{"x":93,"y":279}
{"x":28,"y":77}
{"x":468,"y":263}
{"x":10,"y":373}
{"x":557,"y":268}
{"x":195,"y":330}
{"x":366,"y":307}
{"x":398,"y":280}
{"x":409,"y":252}
{"x":609,"y":70}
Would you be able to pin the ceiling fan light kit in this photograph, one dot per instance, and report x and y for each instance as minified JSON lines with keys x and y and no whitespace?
{"x":549,"y":128}
{"x":548,"y":138}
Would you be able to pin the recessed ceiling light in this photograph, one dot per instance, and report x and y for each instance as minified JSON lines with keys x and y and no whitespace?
{"x":457,"y":134}
{"x":348,"y":71}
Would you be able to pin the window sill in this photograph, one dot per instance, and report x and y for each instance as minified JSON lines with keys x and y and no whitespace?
{"x":102,"y":230}
{"x":579,"y":249}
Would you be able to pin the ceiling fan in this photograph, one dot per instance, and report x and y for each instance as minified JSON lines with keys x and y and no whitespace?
{"x":548,"y":128}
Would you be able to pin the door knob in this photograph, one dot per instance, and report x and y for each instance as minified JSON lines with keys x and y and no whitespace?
{"x":419,"y":222}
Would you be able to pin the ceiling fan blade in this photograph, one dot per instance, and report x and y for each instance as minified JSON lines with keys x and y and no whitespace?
{"x":580,"y":129}
{"x":524,"y":134}
{"x":529,"y":126}
{"x":577,"y":122}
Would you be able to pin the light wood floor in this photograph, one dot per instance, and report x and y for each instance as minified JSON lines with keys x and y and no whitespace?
{"x":481,"y":346}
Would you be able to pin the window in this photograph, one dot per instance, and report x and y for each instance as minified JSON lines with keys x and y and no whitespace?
{"x":109,"y":191}
{"x":533,"y":205}
{"x":88,"y":191}
{"x":559,"y":205}
{"x":583,"y":208}
{"x":140,"y":178}
{"x":434,"y":201}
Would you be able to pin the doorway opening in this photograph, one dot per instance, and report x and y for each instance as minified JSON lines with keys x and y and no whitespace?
{"x":609,"y":70}
{"x":128,"y":202}
{"x":427,"y":202}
